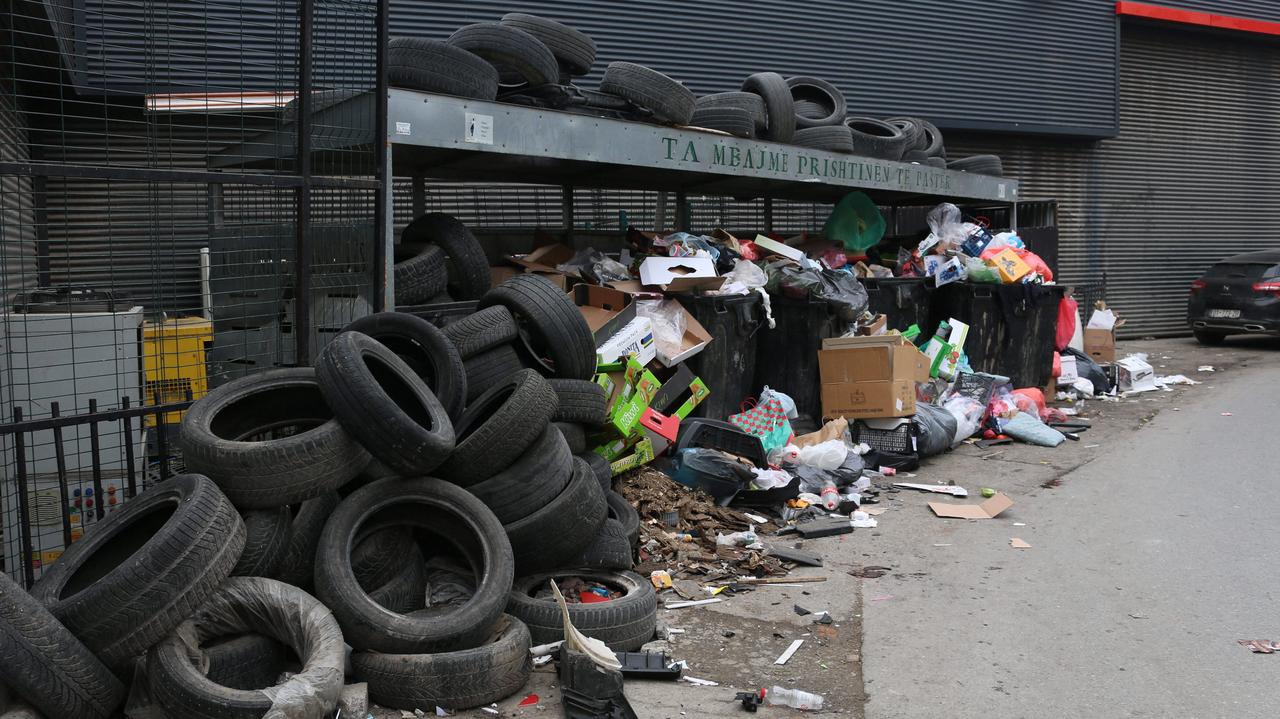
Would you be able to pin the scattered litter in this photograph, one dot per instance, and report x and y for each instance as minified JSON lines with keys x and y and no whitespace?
{"x":491,"y":709}
{"x":687,"y":588}
{"x":1260,"y":646}
{"x":939,"y":488}
{"x":870,"y":572}
{"x":1018,"y":544}
{"x":1092,"y":446}
{"x":882,"y":598}
{"x":801,"y":610}
{"x":1019,"y":524}
{"x":987,"y":492}
{"x":1205,"y":368}
{"x":699,"y":682}
{"x":755,"y":518}
{"x":543,"y":660}
{"x":676,"y":631}
{"x":987,"y":510}
{"x":696,"y":603}
{"x":786,"y":656}
{"x":875,"y":511}
{"x":1137,"y":616}
{"x":824,"y":617}
{"x":528,"y":701}
{"x":794,"y":698}
{"x":942,"y":545}
{"x":1226,"y":414}
{"x":862,"y":520}
{"x":1164,"y":382}
{"x":824,"y":527}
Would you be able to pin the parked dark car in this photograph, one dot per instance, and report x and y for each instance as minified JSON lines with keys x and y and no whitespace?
{"x":1239,"y":295}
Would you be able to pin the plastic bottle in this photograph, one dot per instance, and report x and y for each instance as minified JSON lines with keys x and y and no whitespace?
{"x":830,"y":496}
{"x":794,"y":698}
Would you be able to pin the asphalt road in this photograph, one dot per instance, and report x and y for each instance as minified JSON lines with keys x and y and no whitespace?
{"x":1147,"y":564}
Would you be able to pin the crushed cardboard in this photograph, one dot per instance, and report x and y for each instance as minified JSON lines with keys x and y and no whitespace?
{"x":986,"y":510}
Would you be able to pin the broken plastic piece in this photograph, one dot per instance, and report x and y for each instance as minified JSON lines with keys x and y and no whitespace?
{"x":750,"y":700}
{"x":649,"y":665}
{"x":786,"y":656}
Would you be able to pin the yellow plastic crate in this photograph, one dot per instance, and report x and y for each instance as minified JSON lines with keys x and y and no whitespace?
{"x":174,"y":362}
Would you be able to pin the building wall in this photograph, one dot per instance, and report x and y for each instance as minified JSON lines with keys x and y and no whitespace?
{"x":18,"y":269}
{"x":1194,"y":175}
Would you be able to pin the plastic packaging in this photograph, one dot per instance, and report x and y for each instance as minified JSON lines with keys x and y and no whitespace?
{"x":739,"y":539}
{"x":667,"y":317}
{"x":771,"y":478}
{"x":595,"y":265}
{"x":683,"y":244}
{"x":1068,"y":318}
{"x":834,"y":259}
{"x":968,"y":414}
{"x":745,"y":277}
{"x":937,"y":430}
{"x":788,"y":404}
{"x":947,"y":226}
{"x":978,"y":271}
{"x":1030,"y":400}
{"x":785,"y":456}
{"x":825,"y":455}
{"x":794,"y":698}
{"x":830,"y":495}
{"x":855,"y":222}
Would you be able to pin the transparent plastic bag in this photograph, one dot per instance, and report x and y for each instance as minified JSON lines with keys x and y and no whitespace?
{"x":947,"y":225}
{"x":824,"y":455}
{"x":968,"y":414}
{"x":683,"y":244}
{"x":667,"y":317}
{"x":744,"y":278}
{"x":595,"y":265}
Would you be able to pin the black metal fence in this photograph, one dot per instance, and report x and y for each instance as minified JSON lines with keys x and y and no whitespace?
{"x":138,"y":266}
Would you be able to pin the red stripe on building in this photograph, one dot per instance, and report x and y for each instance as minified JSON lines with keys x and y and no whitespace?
{"x":1195,"y":17}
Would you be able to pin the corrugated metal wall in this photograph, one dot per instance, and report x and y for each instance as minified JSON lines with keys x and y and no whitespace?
{"x":1193,"y":177}
{"x":17,"y":204}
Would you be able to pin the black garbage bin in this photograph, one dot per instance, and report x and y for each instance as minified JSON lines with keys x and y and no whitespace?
{"x":787,"y":355}
{"x":728,"y":364}
{"x":904,"y":301}
{"x":1012,"y":328}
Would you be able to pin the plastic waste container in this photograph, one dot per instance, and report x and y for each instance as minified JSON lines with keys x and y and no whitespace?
{"x":728,"y":364}
{"x":904,"y":301}
{"x":787,"y":355}
{"x":1012,"y":328}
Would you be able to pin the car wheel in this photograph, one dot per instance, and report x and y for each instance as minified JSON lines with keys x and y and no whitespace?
{"x":1210,"y":339}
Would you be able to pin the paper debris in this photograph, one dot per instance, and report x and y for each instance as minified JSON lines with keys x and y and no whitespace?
{"x":696,"y":603}
{"x":1018,"y":544}
{"x":1260,"y":646}
{"x":939,"y":488}
{"x":755,"y":518}
{"x":861,"y":520}
{"x":785,"y":656}
{"x":1226,"y":414}
{"x":699,"y":682}
{"x":1019,"y":524}
{"x":1205,"y":368}
{"x":875,"y":511}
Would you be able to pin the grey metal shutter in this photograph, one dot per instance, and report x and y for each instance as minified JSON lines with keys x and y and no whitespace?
{"x":1193,"y":177}
{"x":17,"y":204}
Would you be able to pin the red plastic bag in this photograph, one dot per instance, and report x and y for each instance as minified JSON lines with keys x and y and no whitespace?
{"x":835,"y":258}
{"x":1037,"y":264}
{"x":1057,"y":364}
{"x":1029,"y":399}
{"x":748,"y":250}
{"x":1068,"y":316}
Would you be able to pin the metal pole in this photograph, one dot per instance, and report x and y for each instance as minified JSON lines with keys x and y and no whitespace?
{"x":61,"y":459}
{"x":95,"y":457}
{"x":1013,"y":217}
{"x":302,"y":245}
{"x":24,"y":510}
{"x":383,"y":211}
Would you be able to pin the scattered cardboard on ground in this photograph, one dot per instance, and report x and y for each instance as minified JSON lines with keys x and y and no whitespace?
{"x":1018,"y":544}
{"x":986,"y":510}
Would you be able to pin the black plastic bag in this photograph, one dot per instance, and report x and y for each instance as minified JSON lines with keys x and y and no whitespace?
{"x":937,"y":429}
{"x":1090,"y":370}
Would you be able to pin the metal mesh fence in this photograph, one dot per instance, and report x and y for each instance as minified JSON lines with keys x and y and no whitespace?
{"x":162,"y":230}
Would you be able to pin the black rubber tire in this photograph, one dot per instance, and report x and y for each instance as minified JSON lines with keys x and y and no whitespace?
{"x":938,"y":162}
{"x":407,"y":590}
{"x":509,"y":49}
{"x":933,"y":145}
{"x":918,"y":157}
{"x":266,"y":534}
{"x":419,"y":276}
{"x":461,"y":679}
{"x":552,"y":330}
{"x":379,"y":556}
{"x":810,"y":109}
{"x":434,"y":66}
{"x":384,"y":404}
{"x":144,"y":568}
{"x":600,"y":466}
{"x":822,"y":92}
{"x":733,"y":120}
{"x":610,"y":549}
{"x":272,"y":472}
{"x":426,"y":349}
{"x":749,"y":101}
{"x":467,"y":264}
{"x":574,"y":436}
{"x":498,"y":427}
{"x":668,"y":99}
{"x":779,"y":105}
{"x":1208,"y":338}
{"x":297,"y":567}
{"x":876,"y":138}
{"x":624,"y":623}
{"x":21,"y":710}
{"x":449,"y":515}
{"x":490,"y":369}
{"x":483,"y":330}
{"x":978,"y":165}
{"x":45,"y":665}
{"x":580,"y":401}
{"x":533,"y":480}
{"x":248,"y":661}
{"x":573,"y":49}
{"x":548,"y":537}
{"x":837,"y":138}
{"x":251,"y":604}
{"x":914,"y":132}
{"x":621,"y":510}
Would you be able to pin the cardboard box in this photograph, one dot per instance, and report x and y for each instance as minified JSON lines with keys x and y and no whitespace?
{"x":638,"y":390}
{"x":544,"y":259}
{"x":1009,"y":266}
{"x":877,"y":326}
{"x":605,"y":309}
{"x":696,"y":338}
{"x":635,"y":339}
{"x":642,"y":455}
{"x":1067,"y":374}
{"x":777,"y":248}
{"x":1100,"y":345}
{"x":1135,"y":375}
{"x":680,"y":274}
{"x":870,"y":376}
{"x":660,"y":429}
{"x":680,"y":393}
{"x":986,"y":510}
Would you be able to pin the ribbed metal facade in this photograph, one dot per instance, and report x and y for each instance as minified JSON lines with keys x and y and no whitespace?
{"x":18,"y":269}
{"x":1193,"y":177}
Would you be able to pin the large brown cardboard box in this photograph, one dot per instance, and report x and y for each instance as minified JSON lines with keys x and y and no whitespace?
{"x":869,"y":377}
{"x":1100,"y":345}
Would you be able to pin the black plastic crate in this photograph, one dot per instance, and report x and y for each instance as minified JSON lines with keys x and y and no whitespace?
{"x":899,"y":440}
{"x":718,"y":434}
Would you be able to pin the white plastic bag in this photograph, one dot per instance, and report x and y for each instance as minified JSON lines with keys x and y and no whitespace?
{"x":771,"y":478}
{"x":824,"y":455}
{"x":788,"y":404}
{"x":1102,"y":320}
{"x":667,"y":317}
{"x":968,"y":413}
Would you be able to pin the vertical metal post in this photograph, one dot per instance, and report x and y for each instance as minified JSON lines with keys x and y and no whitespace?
{"x":419,"y":195}
{"x":24,"y":511}
{"x":95,"y":457}
{"x":566,"y":212}
{"x":384,"y":203}
{"x":768,"y":214}
{"x":1013,"y":217}
{"x":131,"y":484}
{"x":162,"y":444}
{"x":302,"y":226}
{"x":60,"y":457}
{"x":682,"y":211}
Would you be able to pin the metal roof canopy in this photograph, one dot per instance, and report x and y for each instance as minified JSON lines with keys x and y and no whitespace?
{"x":451,"y":138}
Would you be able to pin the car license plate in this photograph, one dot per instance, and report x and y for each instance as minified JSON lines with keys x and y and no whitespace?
{"x":1224,"y":314}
